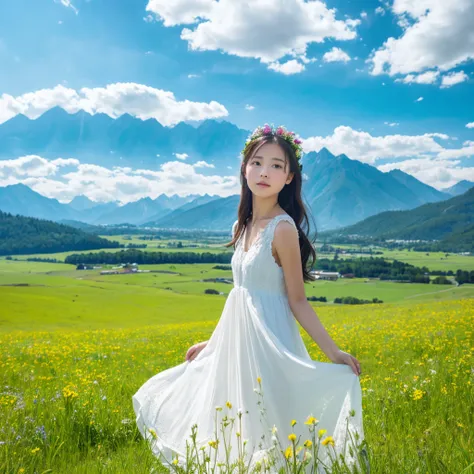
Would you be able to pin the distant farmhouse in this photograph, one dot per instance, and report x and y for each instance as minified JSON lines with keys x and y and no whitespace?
{"x":321,"y":275}
{"x":123,"y":269}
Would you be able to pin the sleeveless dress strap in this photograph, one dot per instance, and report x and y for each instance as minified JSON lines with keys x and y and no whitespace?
{"x":269,"y":231}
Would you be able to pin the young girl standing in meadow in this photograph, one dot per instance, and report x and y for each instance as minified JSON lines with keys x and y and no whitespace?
{"x":255,"y":367}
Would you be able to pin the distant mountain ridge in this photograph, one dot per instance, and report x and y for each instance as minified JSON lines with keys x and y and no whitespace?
{"x":125,"y":140}
{"x":339,"y":192}
{"x":433,"y":221}
{"x":459,"y":188}
{"x":19,"y":199}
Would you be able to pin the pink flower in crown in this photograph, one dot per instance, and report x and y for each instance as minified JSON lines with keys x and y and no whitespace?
{"x":297,"y":141}
{"x":267,"y":129}
{"x":280,"y":131}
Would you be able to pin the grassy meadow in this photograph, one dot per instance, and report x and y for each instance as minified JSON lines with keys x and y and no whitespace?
{"x":76,"y":345}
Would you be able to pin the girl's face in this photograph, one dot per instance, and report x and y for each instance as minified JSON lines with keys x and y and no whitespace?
{"x":270,"y":166}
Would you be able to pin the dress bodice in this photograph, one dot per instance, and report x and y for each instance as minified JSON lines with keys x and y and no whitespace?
{"x":257,"y":269}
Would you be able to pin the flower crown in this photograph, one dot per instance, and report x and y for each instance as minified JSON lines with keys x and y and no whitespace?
{"x":281,"y":132}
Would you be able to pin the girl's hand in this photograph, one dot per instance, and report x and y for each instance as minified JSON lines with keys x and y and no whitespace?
{"x":193,"y":351}
{"x":345,"y":358}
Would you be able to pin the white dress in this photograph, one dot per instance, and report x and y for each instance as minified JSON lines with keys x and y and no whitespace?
{"x":256,"y":336}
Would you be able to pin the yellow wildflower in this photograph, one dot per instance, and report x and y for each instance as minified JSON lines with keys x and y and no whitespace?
{"x":328,"y":440}
{"x":259,"y":380}
{"x":293,"y":422}
{"x":292,"y":437}
{"x":288,"y":452}
{"x":321,"y":432}
{"x":308,"y":443}
{"x":35,"y":450}
{"x":311,"y":421}
{"x":417,"y":394}
{"x":229,"y":405}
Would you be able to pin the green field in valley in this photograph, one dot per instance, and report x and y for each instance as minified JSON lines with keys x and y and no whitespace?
{"x":75,"y":345}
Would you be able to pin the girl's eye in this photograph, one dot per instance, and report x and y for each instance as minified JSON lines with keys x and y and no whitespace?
{"x":279,"y":166}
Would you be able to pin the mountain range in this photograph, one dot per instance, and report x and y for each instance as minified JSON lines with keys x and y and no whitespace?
{"x":338,"y":191}
{"x":22,"y":200}
{"x":126,"y":140}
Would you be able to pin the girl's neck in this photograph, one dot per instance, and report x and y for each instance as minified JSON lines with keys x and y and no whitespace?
{"x":263,"y":209}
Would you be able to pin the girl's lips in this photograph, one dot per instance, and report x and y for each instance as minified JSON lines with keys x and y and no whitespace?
{"x":263,"y":185}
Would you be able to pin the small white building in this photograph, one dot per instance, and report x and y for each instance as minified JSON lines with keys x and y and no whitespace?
{"x":322,"y":275}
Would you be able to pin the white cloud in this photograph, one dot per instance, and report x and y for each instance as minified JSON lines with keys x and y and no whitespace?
{"x":181,"y":156}
{"x":33,"y":166}
{"x":121,"y":184}
{"x":193,"y":76}
{"x":392,"y":124}
{"x":290,"y":67}
{"x":268,"y":30}
{"x":68,"y":3}
{"x":380,"y":11}
{"x":363,"y":15}
{"x":428,"y":77}
{"x":435,"y":172}
{"x":249,"y":107}
{"x":419,"y":99}
{"x":470,"y":125}
{"x":336,"y":55}
{"x":437,"y":34}
{"x":114,"y":100}
{"x":367,"y":148}
{"x":454,"y":78}
{"x":203,"y":164}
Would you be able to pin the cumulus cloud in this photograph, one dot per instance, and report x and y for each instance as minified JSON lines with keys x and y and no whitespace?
{"x":268,"y":30}
{"x":141,"y":101}
{"x":33,"y":166}
{"x":249,"y":107}
{"x":336,"y":55}
{"x":122,"y":184}
{"x":454,"y":78}
{"x":435,"y":172}
{"x":436,"y":34}
{"x":470,"y":125}
{"x":380,"y":11}
{"x":203,"y":164}
{"x":428,"y":77}
{"x":367,"y":148}
{"x":289,"y":67}
{"x":181,"y":156}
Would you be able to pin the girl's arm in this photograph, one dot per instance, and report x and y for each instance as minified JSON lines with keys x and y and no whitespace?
{"x":287,"y":248}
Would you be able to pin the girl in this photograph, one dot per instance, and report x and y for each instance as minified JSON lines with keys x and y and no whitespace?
{"x":256,"y":358}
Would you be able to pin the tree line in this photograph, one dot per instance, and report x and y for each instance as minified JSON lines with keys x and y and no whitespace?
{"x":376,"y":267}
{"x":24,"y":235}
{"x":146,"y":258}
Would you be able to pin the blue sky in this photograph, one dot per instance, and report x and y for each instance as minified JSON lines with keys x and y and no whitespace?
{"x":350,"y":79}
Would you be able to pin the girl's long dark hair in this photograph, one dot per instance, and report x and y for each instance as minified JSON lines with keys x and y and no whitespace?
{"x":289,"y":199}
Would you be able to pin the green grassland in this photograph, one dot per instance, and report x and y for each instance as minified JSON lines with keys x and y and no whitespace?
{"x":75,"y":345}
